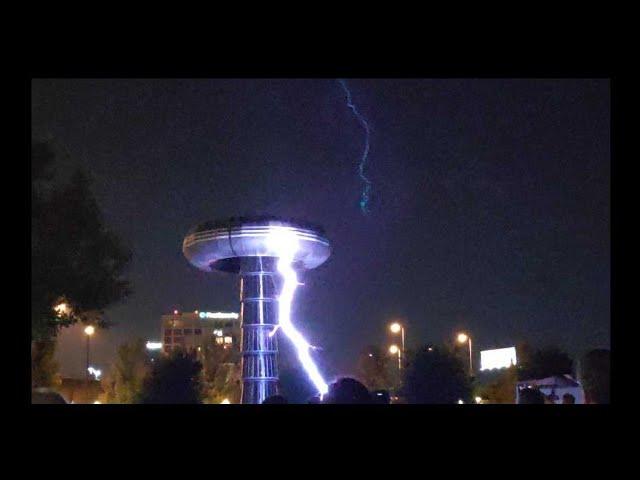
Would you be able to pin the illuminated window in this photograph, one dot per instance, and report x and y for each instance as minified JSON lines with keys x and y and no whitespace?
{"x":219,"y":340}
{"x":228,"y":340}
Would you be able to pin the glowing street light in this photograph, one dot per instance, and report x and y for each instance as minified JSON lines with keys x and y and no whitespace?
{"x":394,"y":350}
{"x":464,"y":338}
{"x":89,"y":330}
{"x":396,"y":328}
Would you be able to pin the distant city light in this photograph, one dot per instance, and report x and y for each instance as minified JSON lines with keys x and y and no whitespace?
{"x":89,"y":330}
{"x":460,"y":402}
{"x":462,"y":337}
{"x":154,"y":345}
{"x":217,"y":333}
{"x":478,"y":399}
{"x":97,"y":402}
{"x":393,"y":349}
{"x":395,"y":327}
{"x":175,"y":312}
{"x":225,"y":402}
{"x":218,"y":315}
{"x":95,"y":372}
{"x":497,"y":358}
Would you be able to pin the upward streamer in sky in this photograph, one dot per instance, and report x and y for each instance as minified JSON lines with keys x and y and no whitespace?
{"x":366,"y":190}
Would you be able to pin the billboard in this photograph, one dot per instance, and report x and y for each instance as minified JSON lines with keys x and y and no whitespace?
{"x":497,"y":358}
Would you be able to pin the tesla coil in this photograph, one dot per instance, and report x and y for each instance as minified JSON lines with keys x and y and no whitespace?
{"x":243,"y":246}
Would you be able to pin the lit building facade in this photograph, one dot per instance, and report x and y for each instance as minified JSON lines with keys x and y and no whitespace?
{"x":192,"y":331}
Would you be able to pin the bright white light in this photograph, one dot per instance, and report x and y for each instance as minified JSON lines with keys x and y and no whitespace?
{"x":154,"y":345}
{"x":393,"y":349}
{"x":478,"y":399}
{"x":217,"y":333}
{"x":95,"y":372}
{"x":97,"y":402}
{"x":89,"y":330}
{"x":61,"y":309}
{"x":395,"y":327}
{"x":462,"y":338}
{"x":225,"y":402}
{"x":284,"y":243}
{"x":498,"y":358}
{"x":218,"y":315}
{"x":460,"y":402}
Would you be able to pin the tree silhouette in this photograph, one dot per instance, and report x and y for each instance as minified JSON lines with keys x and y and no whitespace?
{"x":595,"y":371}
{"x":174,"y":379}
{"x":435,"y":376}
{"x":545,"y":362}
{"x":75,"y":258}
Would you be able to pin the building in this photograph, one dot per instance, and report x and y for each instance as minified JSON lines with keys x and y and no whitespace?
{"x":191,"y":331}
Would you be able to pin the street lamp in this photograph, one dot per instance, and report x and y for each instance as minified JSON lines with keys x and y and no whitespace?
{"x":88,"y":331}
{"x":394,"y":350}
{"x":464,"y":338}
{"x":396,"y":327}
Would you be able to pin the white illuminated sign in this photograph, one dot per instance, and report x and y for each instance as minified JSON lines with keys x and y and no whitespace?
{"x":497,"y":358}
{"x":218,"y":315}
{"x":154,"y":345}
{"x":95,"y":372}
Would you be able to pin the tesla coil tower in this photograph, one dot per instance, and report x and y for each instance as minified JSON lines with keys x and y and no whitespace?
{"x":244,"y":246}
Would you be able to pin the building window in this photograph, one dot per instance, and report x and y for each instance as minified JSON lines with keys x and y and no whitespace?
{"x":228,"y":340}
{"x":177,"y":331}
{"x":197,"y":331}
{"x":188,"y":331}
{"x":219,"y":340}
{"x":167,"y":340}
{"x":167,"y":331}
{"x":179,"y":340}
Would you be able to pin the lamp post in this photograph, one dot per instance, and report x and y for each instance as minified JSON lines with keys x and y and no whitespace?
{"x":395,"y":328}
{"x":394,"y":350}
{"x":88,"y":331}
{"x":464,"y":338}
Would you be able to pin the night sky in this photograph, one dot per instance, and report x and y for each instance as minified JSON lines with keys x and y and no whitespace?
{"x":489,"y":212}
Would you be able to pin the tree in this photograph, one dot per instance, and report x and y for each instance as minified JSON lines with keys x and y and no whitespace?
{"x":435,"y":376}
{"x":595,"y":371}
{"x":373,"y":368}
{"x":221,"y":372}
{"x":125,"y":380}
{"x":174,"y":380}
{"x":544,"y":363}
{"x":501,"y":388}
{"x":76,"y":259}
{"x":44,"y":368}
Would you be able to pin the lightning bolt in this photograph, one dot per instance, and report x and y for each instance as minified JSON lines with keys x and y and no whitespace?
{"x":364,"y":197}
{"x":284,"y":242}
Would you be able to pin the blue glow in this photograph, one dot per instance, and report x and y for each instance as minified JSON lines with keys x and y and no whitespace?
{"x":366,"y":190}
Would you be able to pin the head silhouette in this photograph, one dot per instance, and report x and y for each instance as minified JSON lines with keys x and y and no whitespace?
{"x":348,"y":390}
